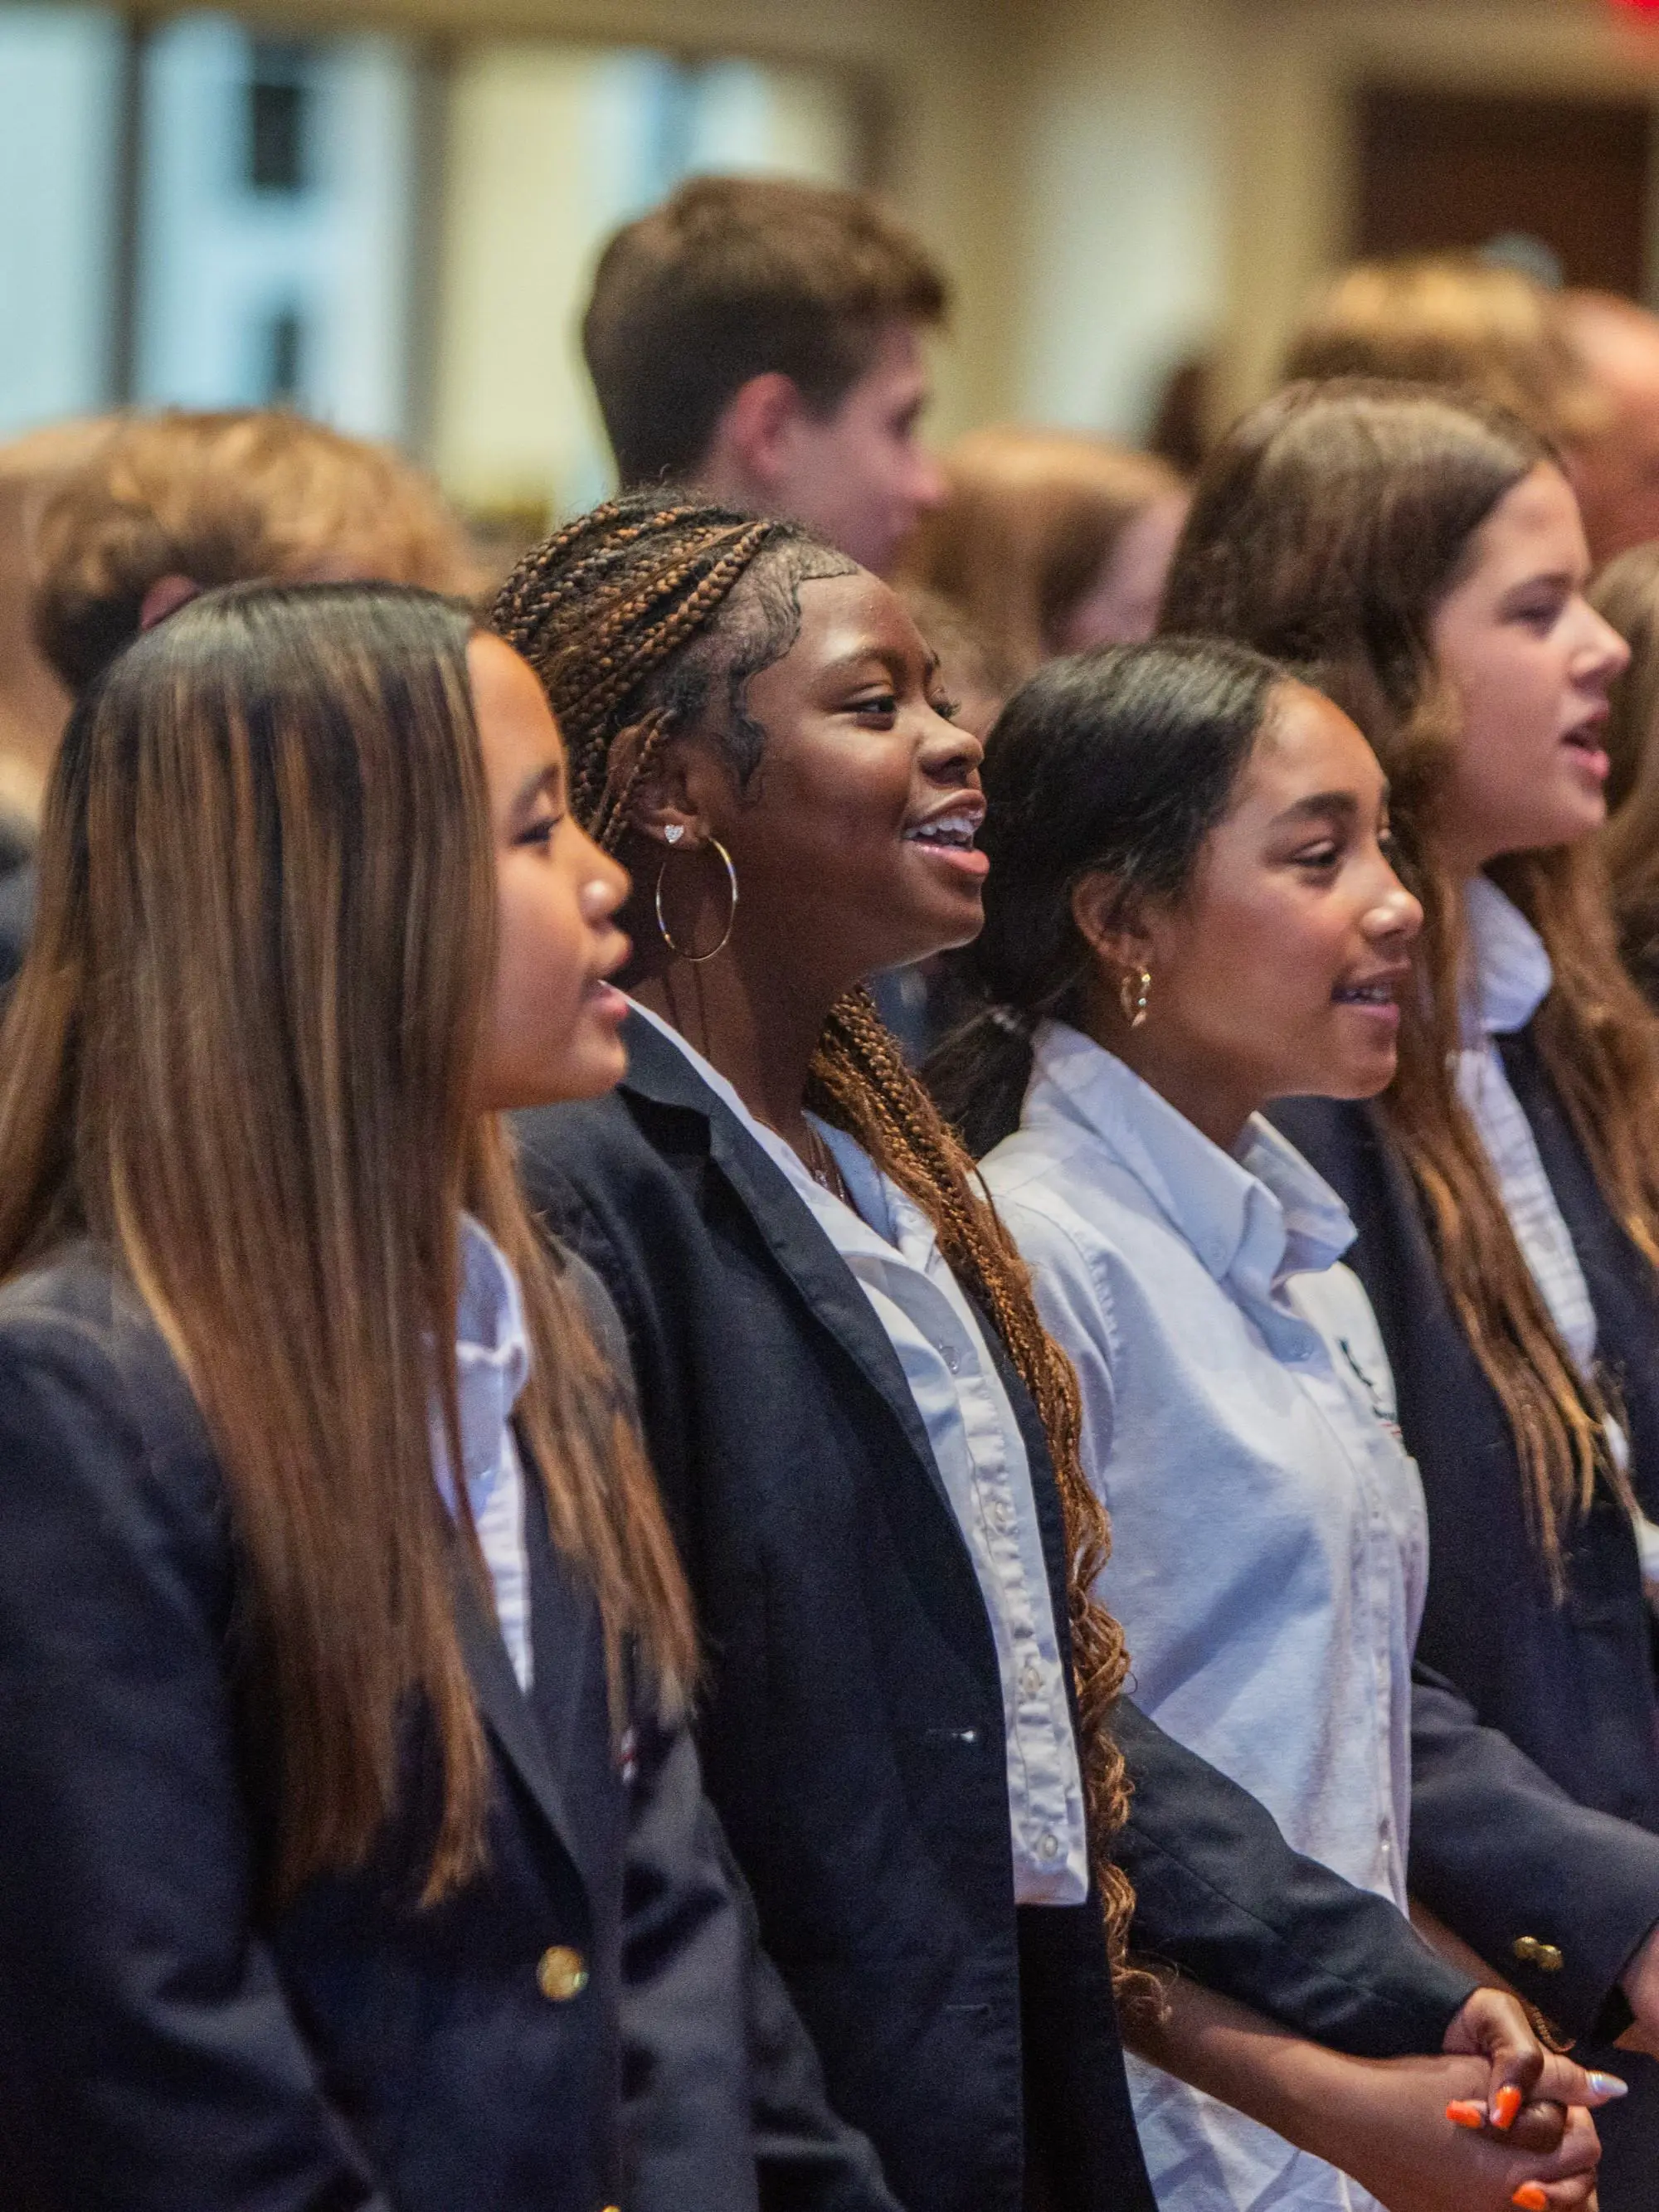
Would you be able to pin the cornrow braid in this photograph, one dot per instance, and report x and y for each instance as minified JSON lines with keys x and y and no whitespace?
{"x":861,"y":1082}
{"x":606,"y":612}
{"x":606,"y":605}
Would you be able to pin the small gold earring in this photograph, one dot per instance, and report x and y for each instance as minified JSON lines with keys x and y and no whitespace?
{"x":1133,"y":992}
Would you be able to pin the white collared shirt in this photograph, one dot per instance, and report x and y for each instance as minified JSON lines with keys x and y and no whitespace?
{"x":892,"y":1249}
{"x":492,"y":1356}
{"x":1510,"y":978}
{"x":1269,"y":1537}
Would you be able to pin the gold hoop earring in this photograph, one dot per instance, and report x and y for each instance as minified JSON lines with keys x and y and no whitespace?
{"x":696,"y":959}
{"x":1133,"y":992}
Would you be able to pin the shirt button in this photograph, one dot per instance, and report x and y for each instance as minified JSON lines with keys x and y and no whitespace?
{"x":1002,"y":1515}
{"x":1048,"y":1844}
{"x":949,"y":1354}
{"x":1031,"y":1679}
{"x":561,"y":1974}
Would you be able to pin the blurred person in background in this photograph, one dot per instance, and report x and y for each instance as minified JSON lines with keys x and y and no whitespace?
{"x":1451,"y":319}
{"x":1050,"y":541}
{"x":33,"y":703}
{"x":1615,"y":462}
{"x":1627,"y":594}
{"x":762,"y":342}
{"x":1419,"y":557}
{"x":161,"y":506}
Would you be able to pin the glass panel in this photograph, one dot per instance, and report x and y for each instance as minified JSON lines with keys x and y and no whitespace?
{"x":275,"y":240}
{"x":547,"y":149}
{"x":60,"y":102}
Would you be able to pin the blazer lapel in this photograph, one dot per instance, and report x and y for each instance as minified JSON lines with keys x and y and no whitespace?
{"x":658,"y":1071}
{"x":506,"y":1709}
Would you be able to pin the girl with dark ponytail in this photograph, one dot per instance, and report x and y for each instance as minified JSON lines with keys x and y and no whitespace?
{"x":867,"y":1442}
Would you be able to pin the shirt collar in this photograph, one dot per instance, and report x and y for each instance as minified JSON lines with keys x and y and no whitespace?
{"x":492,"y":1363}
{"x":886,"y":1216}
{"x":1509,"y":973}
{"x":1254,"y":1217}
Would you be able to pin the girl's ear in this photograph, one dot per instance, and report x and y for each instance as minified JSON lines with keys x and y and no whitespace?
{"x":653,"y":767}
{"x":1110,"y":921}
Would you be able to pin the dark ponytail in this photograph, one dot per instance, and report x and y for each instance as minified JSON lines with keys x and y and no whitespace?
{"x":1118,"y":762}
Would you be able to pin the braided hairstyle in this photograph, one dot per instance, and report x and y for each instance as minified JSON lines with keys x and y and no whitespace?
{"x":633,"y":617}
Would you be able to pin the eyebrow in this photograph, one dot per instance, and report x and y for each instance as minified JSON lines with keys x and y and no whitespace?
{"x":893,"y":659}
{"x":1322,"y":802}
{"x":1564,"y":579}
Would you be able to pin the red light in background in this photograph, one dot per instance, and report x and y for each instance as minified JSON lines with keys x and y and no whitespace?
{"x":1637,"y":7}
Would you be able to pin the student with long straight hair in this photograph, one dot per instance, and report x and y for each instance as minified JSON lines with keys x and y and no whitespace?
{"x":354,"y":1850}
{"x":869,"y":1446}
{"x":1420,"y":558}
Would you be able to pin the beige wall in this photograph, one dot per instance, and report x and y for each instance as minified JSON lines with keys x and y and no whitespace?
{"x":1111,"y":181}
{"x":1290,"y":154}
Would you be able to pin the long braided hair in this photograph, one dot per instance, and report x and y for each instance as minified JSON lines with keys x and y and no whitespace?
{"x":633,"y":616}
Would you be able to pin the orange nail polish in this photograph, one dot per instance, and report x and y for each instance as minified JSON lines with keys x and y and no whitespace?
{"x":1530,"y":2197}
{"x":1504,"y":2106}
{"x":1466,"y":2113}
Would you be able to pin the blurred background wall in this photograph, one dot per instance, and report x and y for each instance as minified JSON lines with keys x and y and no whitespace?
{"x":387,"y":214}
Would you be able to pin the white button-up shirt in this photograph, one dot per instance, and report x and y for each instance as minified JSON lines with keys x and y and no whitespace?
{"x":1509,"y":979}
{"x":492,"y":1354}
{"x":892,"y":1249}
{"x":1269,"y":1536}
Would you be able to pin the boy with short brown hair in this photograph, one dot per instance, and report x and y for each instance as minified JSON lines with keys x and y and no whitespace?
{"x":760,"y":340}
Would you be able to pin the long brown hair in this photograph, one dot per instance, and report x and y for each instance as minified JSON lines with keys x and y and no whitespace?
{"x":240,"y":1056}
{"x":1627,"y":594}
{"x":1032,"y":518}
{"x":1327,"y":530}
{"x":635,"y":616}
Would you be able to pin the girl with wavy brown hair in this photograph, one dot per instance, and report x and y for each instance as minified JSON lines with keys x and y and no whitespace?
{"x":1419,"y":557}
{"x":353,"y":1842}
{"x":868,"y":1445}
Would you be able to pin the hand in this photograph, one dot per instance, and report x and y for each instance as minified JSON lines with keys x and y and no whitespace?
{"x":1493,"y":2026}
{"x":1385,"y":2124}
{"x":1385,"y":2121}
{"x":1640,"y":1983}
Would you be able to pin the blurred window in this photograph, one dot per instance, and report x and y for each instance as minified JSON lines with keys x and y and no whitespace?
{"x":278,"y":115}
{"x":195,"y":212}
{"x":61,"y":96}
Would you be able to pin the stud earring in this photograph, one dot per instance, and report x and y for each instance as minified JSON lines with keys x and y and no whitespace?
{"x":1133,"y":992}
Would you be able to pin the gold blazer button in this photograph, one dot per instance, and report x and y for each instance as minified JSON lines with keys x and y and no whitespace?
{"x":561,"y":1974}
{"x":1544,"y":1956}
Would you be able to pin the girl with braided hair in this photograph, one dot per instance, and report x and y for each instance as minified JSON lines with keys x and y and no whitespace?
{"x":868,"y":1446}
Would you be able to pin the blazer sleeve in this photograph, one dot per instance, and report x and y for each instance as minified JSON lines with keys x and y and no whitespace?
{"x":1220,"y":1894}
{"x":148,"y":2059}
{"x":1501,"y":1855}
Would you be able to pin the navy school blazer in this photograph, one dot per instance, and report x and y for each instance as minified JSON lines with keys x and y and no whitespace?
{"x":852,"y":1724}
{"x":1562,"y":1889}
{"x":567,"y":2032}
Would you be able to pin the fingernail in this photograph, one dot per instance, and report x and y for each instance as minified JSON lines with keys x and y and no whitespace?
{"x":1530,"y":2197}
{"x":1466,"y":2113}
{"x":1504,"y":2106}
{"x":1608,"y":2085}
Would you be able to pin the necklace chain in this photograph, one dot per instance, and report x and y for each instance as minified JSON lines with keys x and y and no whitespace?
{"x":825,"y":1169}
